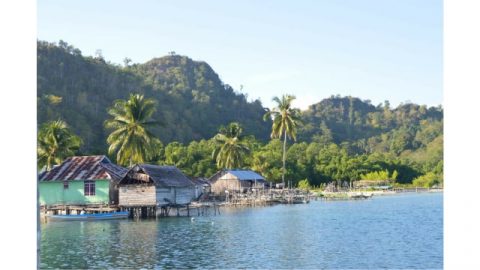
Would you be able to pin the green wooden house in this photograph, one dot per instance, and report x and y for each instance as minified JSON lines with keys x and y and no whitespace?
{"x":81,"y":180}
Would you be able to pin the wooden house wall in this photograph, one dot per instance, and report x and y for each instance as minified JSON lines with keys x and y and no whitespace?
{"x":228,"y":176}
{"x":221,"y":185}
{"x":53,"y":193}
{"x":137,"y":195}
{"x":199,"y":189}
{"x":229,"y":181}
{"x":185,"y":195}
{"x":113,"y":193}
{"x":178,"y":195}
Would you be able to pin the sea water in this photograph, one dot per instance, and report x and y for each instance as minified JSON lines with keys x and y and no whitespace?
{"x":399,"y":231}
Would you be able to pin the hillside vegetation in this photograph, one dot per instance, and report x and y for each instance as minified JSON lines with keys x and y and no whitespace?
{"x":193,"y":102}
{"x":339,"y":138}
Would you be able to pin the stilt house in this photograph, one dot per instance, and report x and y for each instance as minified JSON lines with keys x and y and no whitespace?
{"x":202,"y":186}
{"x":153,"y":185}
{"x":235,"y":180}
{"x":81,"y":180}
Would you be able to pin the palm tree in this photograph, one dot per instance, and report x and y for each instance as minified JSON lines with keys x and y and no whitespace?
{"x":285,"y":121}
{"x":55,"y":142}
{"x":230,"y":148}
{"x":131,"y":137}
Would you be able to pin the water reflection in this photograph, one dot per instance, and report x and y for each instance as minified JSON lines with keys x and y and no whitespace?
{"x":393,"y":232}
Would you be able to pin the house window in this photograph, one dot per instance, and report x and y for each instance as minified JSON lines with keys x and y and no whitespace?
{"x":65,"y":184}
{"x":89,"y":188}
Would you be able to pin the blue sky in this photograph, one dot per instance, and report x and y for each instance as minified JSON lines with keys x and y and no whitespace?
{"x":372,"y":49}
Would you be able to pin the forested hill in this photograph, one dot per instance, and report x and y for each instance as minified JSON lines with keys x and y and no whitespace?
{"x":192,"y":100}
{"x":370,"y":128}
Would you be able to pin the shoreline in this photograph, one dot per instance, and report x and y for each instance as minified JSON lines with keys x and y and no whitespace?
{"x":350,"y":194}
{"x":213,"y":207}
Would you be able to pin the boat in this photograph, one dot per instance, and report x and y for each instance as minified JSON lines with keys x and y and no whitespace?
{"x":89,"y":217}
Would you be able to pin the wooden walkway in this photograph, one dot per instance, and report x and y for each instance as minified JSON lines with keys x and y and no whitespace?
{"x":268,"y":197}
{"x":209,"y":205}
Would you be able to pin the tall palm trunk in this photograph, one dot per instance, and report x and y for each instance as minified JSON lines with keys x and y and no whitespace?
{"x":284,"y":155}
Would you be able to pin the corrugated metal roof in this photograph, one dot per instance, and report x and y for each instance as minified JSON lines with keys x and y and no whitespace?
{"x":165,"y":176}
{"x":246,"y":175}
{"x":84,"y":168}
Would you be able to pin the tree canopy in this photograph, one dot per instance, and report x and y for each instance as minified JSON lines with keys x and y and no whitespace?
{"x":131,"y":138}
{"x":285,"y":122}
{"x":337,"y":139}
{"x":230,"y":149}
{"x":55,"y":142}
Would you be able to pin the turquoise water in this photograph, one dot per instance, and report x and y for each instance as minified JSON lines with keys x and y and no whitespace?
{"x":401,"y":231}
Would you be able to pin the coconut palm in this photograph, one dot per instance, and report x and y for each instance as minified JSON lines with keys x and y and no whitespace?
{"x":55,"y":142}
{"x":230,"y":149}
{"x":285,"y":122}
{"x":131,"y":123}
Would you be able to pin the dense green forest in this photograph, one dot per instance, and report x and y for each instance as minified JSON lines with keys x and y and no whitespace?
{"x":193,"y":101}
{"x":339,"y":138}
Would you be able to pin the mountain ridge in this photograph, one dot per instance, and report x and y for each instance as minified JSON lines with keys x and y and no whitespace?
{"x":193,"y":102}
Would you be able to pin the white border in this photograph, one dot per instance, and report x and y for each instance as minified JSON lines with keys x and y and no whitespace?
{"x":462,"y":181}
{"x":18,"y":135}
{"x":18,"y":110}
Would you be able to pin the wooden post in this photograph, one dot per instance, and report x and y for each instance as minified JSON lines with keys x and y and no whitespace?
{"x":188,"y":210}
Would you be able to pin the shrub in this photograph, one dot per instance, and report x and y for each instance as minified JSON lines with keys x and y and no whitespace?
{"x":304,"y":184}
{"x":428,"y":180}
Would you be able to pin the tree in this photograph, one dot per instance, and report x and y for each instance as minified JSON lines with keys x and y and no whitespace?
{"x":268,"y":160}
{"x":230,"y":147}
{"x":126,"y":61}
{"x":428,"y":180}
{"x":55,"y":142}
{"x":131,"y":137}
{"x":285,"y":122}
{"x":176,"y":155}
{"x":304,"y":184}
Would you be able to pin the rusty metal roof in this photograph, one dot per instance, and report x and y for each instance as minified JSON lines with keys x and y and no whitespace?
{"x":84,"y":168}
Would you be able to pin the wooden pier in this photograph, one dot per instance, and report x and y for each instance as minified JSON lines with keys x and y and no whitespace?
{"x":268,"y":197}
{"x":137,"y":212}
{"x":186,"y":210}
{"x":77,"y":209}
{"x":208,"y":205}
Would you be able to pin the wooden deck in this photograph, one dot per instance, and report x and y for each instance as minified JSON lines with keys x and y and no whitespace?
{"x":268,"y":197}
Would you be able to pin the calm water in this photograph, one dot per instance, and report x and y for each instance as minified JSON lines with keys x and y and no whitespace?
{"x":402,"y":231}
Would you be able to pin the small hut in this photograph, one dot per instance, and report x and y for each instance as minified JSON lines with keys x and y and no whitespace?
{"x":153,"y":185}
{"x":81,"y":180}
{"x":202,"y":186}
{"x":235,"y":180}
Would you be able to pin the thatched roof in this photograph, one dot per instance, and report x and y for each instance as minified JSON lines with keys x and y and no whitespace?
{"x":163,"y":176}
{"x":84,"y":168}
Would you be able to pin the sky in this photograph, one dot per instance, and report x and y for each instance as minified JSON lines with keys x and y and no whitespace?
{"x":372,"y":49}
